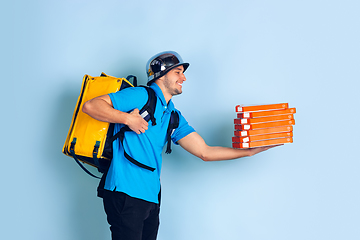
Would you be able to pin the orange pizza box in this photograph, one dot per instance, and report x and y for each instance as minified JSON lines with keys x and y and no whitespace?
{"x":264,"y":125}
{"x":266,"y":113}
{"x":263,"y":119}
{"x":263,"y":143}
{"x":261,"y":137}
{"x":263,"y":131}
{"x":255,"y":108}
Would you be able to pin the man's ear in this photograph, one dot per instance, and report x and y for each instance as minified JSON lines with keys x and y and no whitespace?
{"x":160,"y":80}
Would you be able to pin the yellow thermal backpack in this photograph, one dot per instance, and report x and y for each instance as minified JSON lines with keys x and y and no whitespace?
{"x":89,"y":140}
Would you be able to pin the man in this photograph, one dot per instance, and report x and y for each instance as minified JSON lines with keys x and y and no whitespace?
{"x":132,"y":194}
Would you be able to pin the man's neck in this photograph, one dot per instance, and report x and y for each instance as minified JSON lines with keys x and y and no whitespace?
{"x":167,"y":95}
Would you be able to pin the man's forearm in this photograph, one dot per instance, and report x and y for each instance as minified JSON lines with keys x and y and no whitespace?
{"x":101,"y":110}
{"x":196,"y":145}
{"x":224,"y":153}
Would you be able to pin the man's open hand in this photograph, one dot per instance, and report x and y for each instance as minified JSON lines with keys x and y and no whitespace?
{"x":257,"y":150}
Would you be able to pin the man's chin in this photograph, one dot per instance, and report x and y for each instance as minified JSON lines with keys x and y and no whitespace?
{"x":178,"y":92}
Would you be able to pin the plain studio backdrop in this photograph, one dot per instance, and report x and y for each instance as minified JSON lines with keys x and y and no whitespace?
{"x":305,"y":53}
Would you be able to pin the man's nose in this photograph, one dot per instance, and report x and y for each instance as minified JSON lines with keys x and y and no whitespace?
{"x":183,"y":77}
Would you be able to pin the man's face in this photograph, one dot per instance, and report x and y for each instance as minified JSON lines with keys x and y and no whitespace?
{"x":174,"y":79}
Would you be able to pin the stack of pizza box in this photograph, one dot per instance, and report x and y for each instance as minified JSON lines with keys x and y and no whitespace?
{"x":263,"y":125}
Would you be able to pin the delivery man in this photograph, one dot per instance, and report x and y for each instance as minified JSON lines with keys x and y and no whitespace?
{"x":132,"y":194}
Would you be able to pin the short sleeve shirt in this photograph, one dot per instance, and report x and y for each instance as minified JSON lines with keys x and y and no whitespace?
{"x":146,"y":148}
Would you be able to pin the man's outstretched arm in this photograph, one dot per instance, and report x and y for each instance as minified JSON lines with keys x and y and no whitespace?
{"x":195,"y":144}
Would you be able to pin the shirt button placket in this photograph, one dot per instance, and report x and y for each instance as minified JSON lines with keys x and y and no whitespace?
{"x":164,"y":112}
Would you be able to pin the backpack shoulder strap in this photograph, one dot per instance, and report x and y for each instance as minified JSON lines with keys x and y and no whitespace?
{"x":148,"y":110}
{"x":173,"y":124}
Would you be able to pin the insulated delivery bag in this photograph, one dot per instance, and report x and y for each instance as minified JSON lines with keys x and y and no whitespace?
{"x":90,"y":141}
{"x":86,"y":139}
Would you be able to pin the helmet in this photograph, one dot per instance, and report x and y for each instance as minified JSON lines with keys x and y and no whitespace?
{"x":162,"y":63}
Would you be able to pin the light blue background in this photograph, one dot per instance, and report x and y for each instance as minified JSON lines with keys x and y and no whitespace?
{"x":305,"y":53}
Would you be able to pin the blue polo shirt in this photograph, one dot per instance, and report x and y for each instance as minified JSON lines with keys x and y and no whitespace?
{"x":146,"y":148}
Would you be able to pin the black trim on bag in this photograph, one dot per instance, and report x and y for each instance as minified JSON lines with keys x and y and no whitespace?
{"x":72,"y":151}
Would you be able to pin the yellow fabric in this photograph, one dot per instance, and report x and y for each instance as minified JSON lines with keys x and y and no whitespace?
{"x":84,"y":128}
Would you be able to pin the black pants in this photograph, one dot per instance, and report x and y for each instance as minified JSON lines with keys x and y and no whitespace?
{"x":131,"y":218}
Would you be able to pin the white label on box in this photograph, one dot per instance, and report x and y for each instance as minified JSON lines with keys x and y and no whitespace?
{"x":247,"y":139}
{"x":243,"y":121}
{"x":245,"y":145}
{"x":243,"y":133}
